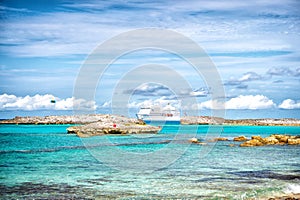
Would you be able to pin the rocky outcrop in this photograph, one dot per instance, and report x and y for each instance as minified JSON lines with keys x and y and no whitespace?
{"x":256,"y":137}
{"x":275,"y":139}
{"x":112,"y":124}
{"x":193,"y":140}
{"x":251,"y":143}
{"x":196,"y":141}
{"x":270,"y":141}
{"x":100,"y":128}
{"x":256,"y":140}
{"x":293,"y":141}
{"x":240,"y":138}
{"x":220,"y":139}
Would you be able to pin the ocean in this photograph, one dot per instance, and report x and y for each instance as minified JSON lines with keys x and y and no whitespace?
{"x":44,"y":162}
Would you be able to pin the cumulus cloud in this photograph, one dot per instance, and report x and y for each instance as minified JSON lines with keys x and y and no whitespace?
{"x":150,"y":89}
{"x":251,"y":102}
{"x":239,"y":82}
{"x":211,"y":104}
{"x":106,"y":104}
{"x":289,"y":104}
{"x":283,"y":71}
{"x":250,"y":76}
{"x":156,"y":90}
{"x":43,"y":102}
{"x":163,"y":101}
{"x":201,"y":92}
{"x":279,"y":71}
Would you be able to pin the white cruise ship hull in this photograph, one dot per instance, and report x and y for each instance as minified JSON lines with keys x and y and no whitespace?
{"x":150,"y":116}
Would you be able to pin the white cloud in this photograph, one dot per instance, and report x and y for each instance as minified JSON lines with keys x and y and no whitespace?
{"x":283,"y":71}
{"x":241,"y":102}
{"x":250,"y":102}
{"x":5,"y":8}
{"x":106,"y":104}
{"x":198,"y":93}
{"x":163,"y":101}
{"x":289,"y":104}
{"x":43,"y":102}
{"x":211,"y":104}
{"x":249,"y":76}
{"x":151,"y":89}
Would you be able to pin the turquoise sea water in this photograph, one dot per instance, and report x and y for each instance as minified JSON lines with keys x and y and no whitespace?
{"x":44,"y":162}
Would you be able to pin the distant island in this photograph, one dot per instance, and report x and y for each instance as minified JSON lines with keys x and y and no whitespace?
{"x":102,"y":124}
{"x":202,"y":120}
{"x":185,"y":120}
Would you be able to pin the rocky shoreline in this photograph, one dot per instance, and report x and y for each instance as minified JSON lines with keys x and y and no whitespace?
{"x":101,"y":124}
{"x":185,"y":120}
{"x":205,"y":120}
{"x":256,"y":140}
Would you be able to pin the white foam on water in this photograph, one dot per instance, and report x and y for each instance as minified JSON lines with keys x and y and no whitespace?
{"x":292,"y":188}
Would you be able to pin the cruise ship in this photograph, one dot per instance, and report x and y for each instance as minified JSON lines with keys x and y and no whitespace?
{"x":157,"y":114}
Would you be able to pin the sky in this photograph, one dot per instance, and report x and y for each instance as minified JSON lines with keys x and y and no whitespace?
{"x":254,"y":45}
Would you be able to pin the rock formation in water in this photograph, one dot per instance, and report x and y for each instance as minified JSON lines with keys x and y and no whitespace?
{"x":113,"y":124}
{"x":275,"y":139}
{"x":240,"y":138}
{"x":117,"y":125}
{"x":256,"y":140}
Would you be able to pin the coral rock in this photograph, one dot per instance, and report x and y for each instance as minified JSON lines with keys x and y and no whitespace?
{"x":257,"y":137}
{"x":294,"y":141}
{"x":240,"y":138}
{"x":251,"y":143}
{"x":194,"y":140}
{"x":270,"y":141}
{"x":220,"y":139}
{"x":275,"y":139}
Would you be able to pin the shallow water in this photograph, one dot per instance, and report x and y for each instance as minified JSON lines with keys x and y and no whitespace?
{"x":43,"y":161}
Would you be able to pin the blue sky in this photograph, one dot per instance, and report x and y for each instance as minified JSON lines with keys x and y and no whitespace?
{"x":254,"y":45}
